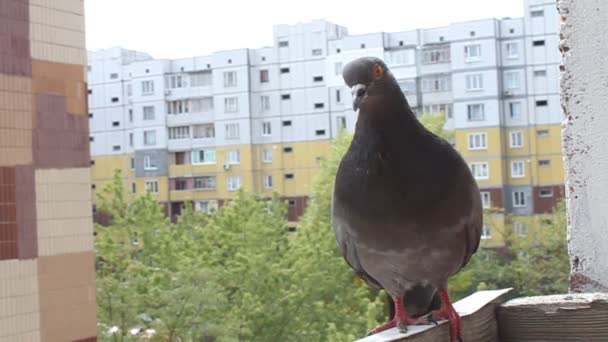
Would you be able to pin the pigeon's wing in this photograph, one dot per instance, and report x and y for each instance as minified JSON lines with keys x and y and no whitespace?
{"x":473,"y":226}
{"x":348,"y":249}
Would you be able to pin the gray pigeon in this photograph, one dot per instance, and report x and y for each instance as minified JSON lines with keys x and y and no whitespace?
{"x":406,"y":210}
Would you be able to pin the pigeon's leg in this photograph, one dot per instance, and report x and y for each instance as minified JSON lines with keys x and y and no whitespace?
{"x":448,"y":312}
{"x":401,"y":319}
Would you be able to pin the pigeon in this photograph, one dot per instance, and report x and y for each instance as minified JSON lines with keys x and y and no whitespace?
{"x":406,"y":210}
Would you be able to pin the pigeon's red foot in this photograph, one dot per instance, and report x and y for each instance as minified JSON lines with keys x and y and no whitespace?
{"x":448,"y":312}
{"x":401,"y":320}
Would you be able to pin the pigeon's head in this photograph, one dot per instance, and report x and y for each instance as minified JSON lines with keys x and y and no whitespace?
{"x":366,"y":76}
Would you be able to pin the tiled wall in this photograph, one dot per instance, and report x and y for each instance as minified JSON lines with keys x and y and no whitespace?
{"x":47,"y":276}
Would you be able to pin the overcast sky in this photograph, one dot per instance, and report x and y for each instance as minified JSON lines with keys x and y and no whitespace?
{"x":182,"y":28}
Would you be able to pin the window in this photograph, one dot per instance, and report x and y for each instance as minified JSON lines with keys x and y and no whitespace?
{"x":206,"y":206}
{"x":267,"y":181}
{"x":485,"y":199}
{"x":178,"y":107}
{"x":436,"y":83}
{"x":317,"y":52}
{"x":437,"y":108}
{"x":152,"y":187}
{"x":287,"y":149}
{"x":147,"y":87}
{"x":512,"y":80}
{"x":131,"y":139}
{"x":540,"y":73}
{"x":113,"y":76}
{"x":480,"y":170}
{"x":319,"y":105}
{"x":132,"y":163}
{"x":203,"y":105}
{"x":130,"y":115}
{"x":204,"y":183}
{"x":317,"y":79}
{"x":90,"y":91}
{"x":115,"y":123}
{"x":341,"y":122}
{"x":116,"y":148}
{"x":201,"y":79}
{"x":89,"y":68}
{"x":283,"y":43}
{"x":544,"y":162}
{"x":537,"y":13}
{"x":289,"y":176}
{"x":542,"y":133}
{"x":175,"y":81}
{"x":133,"y":188}
{"x":515,"y":110}
{"x":486,"y":232}
{"x":203,"y":131}
{"x":286,"y":123}
{"x":472,"y":52}
{"x":402,"y":57}
{"x":285,"y":97}
{"x":436,"y":55}
{"x":545,"y":193}
{"x":264,"y":77}
{"x":229,"y":79}
{"x":338,"y":96}
{"x":541,"y":103}
{"x":518,"y":169}
{"x":232,"y":131}
{"x":266,"y":128}
{"x":149,"y":113}
{"x":180,"y":184}
{"x":234,"y":183}
{"x":149,"y":138}
{"x":338,"y":68}
{"x":520,"y":229}
{"x":91,"y":116}
{"x":409,"y":86}
{"x":264,"y":103}
{"x":233,"y":157}
{"x":180,"y":158}
{"x":231,"y":104}
{"x":319,"y":132}
{"x":206,"y":156}
{"x":478,"y":141}
{"x":474,"y":82}
{"x":475,"y":112}
{"x":512,"y":50}
{"x":284,"y":70}
{"x":267,"y":155}
{"x":516,"y":139}
{"x":129,"y":90}
{"x":181,"y":132}
{"x":519,"y":199}
{"x":363,"y":46}
{"x":150,"y":163}
{"x":538,"y":43}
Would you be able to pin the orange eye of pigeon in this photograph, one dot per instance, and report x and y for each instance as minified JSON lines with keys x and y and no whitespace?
{"x":377,"y":71}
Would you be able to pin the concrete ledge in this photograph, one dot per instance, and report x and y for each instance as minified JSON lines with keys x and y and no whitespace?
{"x":569,"y":317}
{"x":479,"y":322}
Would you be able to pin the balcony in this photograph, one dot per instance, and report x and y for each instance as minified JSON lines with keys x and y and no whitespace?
{"x":189,"y":143}
{"x":186,"y":119}
{"x":188,"y":92}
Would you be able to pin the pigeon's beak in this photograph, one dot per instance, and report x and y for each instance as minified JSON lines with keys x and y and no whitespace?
{"x":358,"y":91}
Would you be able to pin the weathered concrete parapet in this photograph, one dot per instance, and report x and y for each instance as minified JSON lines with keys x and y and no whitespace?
{"x":584,"y":98}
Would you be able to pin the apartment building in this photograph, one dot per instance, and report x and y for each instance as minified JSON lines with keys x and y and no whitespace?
{"x":200,"y":128}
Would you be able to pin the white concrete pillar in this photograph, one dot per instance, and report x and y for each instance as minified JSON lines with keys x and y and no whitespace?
{"x":584,"y":98}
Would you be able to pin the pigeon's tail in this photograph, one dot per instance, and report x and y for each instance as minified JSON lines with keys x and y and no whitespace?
{"x":418,"y":301}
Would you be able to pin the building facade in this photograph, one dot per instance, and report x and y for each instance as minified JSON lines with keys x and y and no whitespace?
{"x":47,"y":275}
{"x":199,"y":128}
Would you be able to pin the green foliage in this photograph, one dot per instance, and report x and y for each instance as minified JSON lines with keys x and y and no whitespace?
{"x":435,"y":124}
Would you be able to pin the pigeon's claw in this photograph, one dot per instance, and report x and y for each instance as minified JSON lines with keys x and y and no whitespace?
{"x":401,"y":320}
{"x":448,"y":312}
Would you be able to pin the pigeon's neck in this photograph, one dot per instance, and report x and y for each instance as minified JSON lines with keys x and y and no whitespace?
{"x":391,"y":123}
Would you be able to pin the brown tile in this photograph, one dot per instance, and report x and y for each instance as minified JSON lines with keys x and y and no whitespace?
{"x":8,"y":212}
{"x":88,"y":339}
{"x":61,"y":71}
{"x":15,"y":56}
{"x":67,"y":296}
{"x":7,"y":175}
{"x":27,"y":236}
{"x":8,"y":250}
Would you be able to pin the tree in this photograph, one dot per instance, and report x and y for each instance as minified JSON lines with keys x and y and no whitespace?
{"x":435,"y":123}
